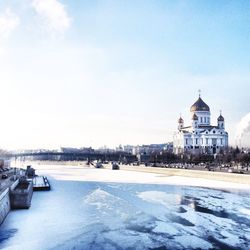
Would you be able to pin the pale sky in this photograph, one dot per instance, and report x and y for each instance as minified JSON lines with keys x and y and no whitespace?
{"x":92,"y":73}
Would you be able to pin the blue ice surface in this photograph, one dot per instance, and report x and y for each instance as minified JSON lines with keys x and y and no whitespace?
{"x":94,"y":215}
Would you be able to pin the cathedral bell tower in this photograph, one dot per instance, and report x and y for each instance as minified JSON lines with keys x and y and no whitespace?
{"x":221,"y":121}
{"x":180,"y":123}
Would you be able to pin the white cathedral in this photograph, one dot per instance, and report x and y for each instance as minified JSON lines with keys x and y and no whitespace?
{"x":201,"y":137}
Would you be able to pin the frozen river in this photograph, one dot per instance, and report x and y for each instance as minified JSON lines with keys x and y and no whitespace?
{"x":81,"y":213}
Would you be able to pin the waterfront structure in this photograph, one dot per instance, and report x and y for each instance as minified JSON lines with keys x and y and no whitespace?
{"x":200,"y":137}
{"x":76,"y":150}
{"x":152,"y":149}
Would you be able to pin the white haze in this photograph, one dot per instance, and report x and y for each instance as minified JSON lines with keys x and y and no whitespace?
{"x":243,"y":128}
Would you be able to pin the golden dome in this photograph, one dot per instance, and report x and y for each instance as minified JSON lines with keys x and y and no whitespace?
{"x":199,"y":105}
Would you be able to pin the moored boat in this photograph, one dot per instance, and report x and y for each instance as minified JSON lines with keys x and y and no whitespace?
{"x":41,"y":183}
{"x":21,"y":195}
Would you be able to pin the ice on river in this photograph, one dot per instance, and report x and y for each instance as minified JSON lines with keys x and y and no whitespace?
{"x":80,"y":214}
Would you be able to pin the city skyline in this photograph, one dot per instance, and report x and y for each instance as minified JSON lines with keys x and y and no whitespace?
{"x":94,"y":73}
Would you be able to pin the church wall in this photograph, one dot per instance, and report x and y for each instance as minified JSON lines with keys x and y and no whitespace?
{"x":196,"y":142}
{"x":204,"y":117}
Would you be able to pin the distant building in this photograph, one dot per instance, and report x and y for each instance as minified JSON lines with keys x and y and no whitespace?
{"x":128,"y":149}
{"x":105,"y":150}
{"x":200,"y":137}
{"x":76,"y":150}
{"x":152,"y":149}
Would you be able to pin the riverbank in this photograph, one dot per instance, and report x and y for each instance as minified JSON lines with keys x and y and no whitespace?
{"x":216,"y":176}
{"x":145,"y":175}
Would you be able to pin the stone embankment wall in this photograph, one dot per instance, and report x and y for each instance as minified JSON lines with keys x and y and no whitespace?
{"x":5,"y":202}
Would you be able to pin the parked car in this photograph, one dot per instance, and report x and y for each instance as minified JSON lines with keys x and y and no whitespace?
{"x":4,"y":176}
{"x":98,"y":165}
{"x":115,"y":166}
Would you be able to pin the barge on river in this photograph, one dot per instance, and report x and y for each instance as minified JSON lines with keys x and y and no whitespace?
{"x":21,"y":194}
{"x":41,"y":183}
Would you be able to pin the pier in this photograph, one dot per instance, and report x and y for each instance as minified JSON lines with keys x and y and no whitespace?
{"x":16,"y":188}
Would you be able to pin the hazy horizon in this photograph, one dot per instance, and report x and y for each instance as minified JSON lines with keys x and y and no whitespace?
{"x":95,"y":73}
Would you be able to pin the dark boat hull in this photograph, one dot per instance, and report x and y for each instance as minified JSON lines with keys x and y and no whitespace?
{"x":21,"y":195}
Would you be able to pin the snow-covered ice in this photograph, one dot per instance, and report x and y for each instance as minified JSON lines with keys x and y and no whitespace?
{"x":104,"y":209}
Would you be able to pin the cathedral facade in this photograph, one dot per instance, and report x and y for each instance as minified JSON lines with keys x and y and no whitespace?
{"x":200,"y":137}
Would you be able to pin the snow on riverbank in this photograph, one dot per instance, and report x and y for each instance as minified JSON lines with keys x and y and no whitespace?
{"x":81,"y":173}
